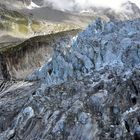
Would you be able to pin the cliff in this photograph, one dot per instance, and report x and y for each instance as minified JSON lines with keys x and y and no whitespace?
{"x":19,"y":60}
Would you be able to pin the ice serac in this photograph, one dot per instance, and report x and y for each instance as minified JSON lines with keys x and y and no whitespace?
{"x":114,"y":45}
{"x":88,"y":90}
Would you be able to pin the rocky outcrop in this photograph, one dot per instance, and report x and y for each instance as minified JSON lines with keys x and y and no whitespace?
{"x":4,"y":74}
{"x":89,"y":90}
{"x":99,"y":108}
{"x":18,"y":61}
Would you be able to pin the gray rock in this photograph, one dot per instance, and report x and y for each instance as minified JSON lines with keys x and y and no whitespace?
{"x":83,"y":117}
{"x":137,"y":133}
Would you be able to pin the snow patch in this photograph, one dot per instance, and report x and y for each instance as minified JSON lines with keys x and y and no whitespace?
{"x":33,"y":5}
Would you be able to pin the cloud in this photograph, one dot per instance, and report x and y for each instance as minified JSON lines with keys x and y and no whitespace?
{"x":84,"y":4}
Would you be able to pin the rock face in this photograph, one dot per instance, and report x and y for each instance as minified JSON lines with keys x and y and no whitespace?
{"x":89,"y":90}
{"x":18,"y":61}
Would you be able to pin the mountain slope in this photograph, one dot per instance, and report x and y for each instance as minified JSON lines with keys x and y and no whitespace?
{"x":17,"y":60}
{"x":89,"y":90}
{"x":21,"y":20}
{"x":18,"y":26}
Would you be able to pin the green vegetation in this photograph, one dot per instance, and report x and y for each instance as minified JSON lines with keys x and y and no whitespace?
{"x":23,"y":29}
{"x":54,"y":28}
{"x":13,"y":21}
{"x":36,"y":26}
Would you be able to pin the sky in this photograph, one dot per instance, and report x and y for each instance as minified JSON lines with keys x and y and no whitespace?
{"x":69,"y":4}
